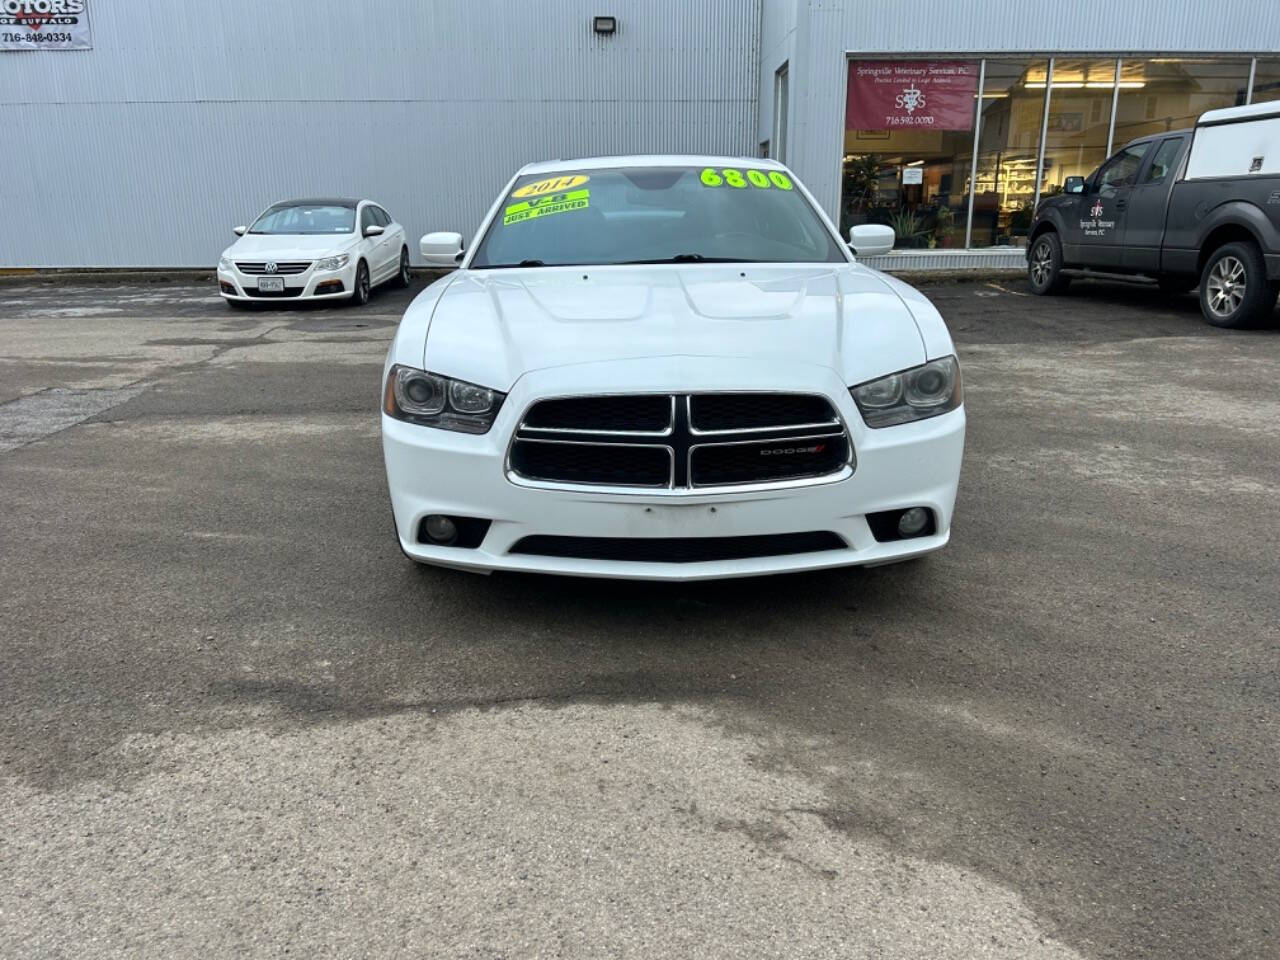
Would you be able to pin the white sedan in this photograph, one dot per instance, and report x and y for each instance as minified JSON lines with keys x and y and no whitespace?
{"x":325,"y":248}
{"x":668,"y":368}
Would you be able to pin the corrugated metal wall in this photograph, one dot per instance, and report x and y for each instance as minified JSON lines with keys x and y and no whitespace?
{"x":188,"y":118}
{"x":828,"y":29}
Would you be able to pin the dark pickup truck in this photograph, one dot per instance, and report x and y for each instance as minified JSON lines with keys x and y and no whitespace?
{"x":1186,"y":208}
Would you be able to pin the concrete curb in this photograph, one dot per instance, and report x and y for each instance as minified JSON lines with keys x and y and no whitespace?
{"x":112,"y":276}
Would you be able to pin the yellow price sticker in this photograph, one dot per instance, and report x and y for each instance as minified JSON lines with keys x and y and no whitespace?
{"x":760,"y":179}
{"x":551,"y":185}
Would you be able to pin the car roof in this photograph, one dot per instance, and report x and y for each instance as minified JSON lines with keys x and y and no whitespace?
{"x":642,"y":160}
{"x":319,"y":202}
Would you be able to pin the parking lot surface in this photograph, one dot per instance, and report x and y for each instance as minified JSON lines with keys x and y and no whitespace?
{"x":236,"y":721}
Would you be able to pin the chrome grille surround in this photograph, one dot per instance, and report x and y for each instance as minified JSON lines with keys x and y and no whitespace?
{"x":682,"y":444}
{"x":284,"y":268}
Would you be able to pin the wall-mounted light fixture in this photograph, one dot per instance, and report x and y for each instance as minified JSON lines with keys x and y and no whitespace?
{"x":604,"y":25}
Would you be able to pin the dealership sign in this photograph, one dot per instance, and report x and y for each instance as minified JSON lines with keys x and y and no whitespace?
{"x":45,"y":25}
{"x":916,"y":94}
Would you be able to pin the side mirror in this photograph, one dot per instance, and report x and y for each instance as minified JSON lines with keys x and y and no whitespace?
{"x":871,"y":239}
{"x":372,"y":230}
{"x":239,"y":231}
{"x":441,"y":249}
{"x":1073,"y":185}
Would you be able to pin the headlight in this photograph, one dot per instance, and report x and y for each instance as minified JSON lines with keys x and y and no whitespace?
{"x":432,"y":400}
{"x":914,"y":394}
{"x":224,"y":264}
{"x":333,"y":263}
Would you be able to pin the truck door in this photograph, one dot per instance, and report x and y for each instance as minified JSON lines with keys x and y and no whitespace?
{"x":1143,"y":216}
{"x":1104,"y":206}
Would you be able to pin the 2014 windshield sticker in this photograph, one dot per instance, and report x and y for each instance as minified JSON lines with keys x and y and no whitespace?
{"x":760,"y":179}
{"x":552,"y":185}
{"x":545,"y":206}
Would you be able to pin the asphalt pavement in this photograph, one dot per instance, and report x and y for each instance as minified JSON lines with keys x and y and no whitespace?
{"x":235,"y":721}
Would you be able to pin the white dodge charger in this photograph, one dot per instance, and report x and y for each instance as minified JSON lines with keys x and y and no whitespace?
{"x":326,"y":248}
{"x":668,"y":368}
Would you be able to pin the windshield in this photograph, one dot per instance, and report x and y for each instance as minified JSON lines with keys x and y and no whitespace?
{"x":656,"y":215}
{"x":306,"y":218}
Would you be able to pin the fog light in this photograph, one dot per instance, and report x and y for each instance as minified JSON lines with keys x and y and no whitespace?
{"x":913,"y":521}
{"x":440,"y":529}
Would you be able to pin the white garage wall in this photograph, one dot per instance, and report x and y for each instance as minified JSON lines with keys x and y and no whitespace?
{"x":188,"y":118}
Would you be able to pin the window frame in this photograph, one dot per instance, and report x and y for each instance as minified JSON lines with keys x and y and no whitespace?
{"x":1095,"y":180}
{"x":1145,"y":178}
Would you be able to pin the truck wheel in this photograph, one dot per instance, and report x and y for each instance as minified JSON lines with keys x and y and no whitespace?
{"x":1234,"y":291}
{"x":1044,"y":266}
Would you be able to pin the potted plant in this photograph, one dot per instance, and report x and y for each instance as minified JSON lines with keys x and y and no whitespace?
{"x":909,"y":228}
{"x":860,"y":185}
{"x":944,"y":228}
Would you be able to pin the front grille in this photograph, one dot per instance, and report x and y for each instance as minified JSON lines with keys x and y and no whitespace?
{"x":284,"y":268}
{"x":680,"y":549}
{"x":679,"y":441}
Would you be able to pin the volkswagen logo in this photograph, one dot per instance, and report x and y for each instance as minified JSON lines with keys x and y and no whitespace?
{"x":271,"y":266}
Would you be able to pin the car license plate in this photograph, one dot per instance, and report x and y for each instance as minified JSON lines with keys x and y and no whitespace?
{"x":271,"y":284}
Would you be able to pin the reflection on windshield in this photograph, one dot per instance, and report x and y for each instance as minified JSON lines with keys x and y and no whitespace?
{"x":306,"y":220}
{"x":656,"y":215}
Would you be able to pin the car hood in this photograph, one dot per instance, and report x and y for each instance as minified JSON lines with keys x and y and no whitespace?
{"x":490,"y":327}
{"x":289,"y":246}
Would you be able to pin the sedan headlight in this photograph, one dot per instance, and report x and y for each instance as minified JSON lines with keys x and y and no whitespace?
{"x":432,"y":400}
{"x":914,"y":394}
{"x":224,"y":263}
{"x":333,"y":263}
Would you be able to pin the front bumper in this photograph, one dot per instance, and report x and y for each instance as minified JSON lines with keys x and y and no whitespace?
{"x":299,"y":286}
{"x":432,"y":471}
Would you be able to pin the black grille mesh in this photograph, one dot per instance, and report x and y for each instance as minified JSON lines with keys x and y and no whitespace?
{"x":738,"y":411}
{"x":680,"y":549}
{"x":768,"y":460}
{"x":609,"y":464}
{"x":634,"y":413}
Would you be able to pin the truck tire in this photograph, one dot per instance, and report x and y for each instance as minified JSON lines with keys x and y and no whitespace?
{"x":1044,"y":265}
{"x":1234,"y":291}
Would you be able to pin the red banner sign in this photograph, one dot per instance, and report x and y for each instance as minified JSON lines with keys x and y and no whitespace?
{"x":914,"y":94}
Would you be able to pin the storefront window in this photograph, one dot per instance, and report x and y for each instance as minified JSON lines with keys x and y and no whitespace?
{"x":1266,"y":81}
{"x":909,"y":148}
{"x":1008,"y":148}
{"x":1170,"y":93}
{"x":910,"y":153}
{"x":1079,"y":118}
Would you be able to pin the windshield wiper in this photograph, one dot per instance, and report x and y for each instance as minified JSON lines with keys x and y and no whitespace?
{"x":522,"y":263}
{"x":693,"y":258}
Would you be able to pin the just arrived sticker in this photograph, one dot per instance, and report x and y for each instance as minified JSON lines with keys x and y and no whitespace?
{"x":552,"y":185}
